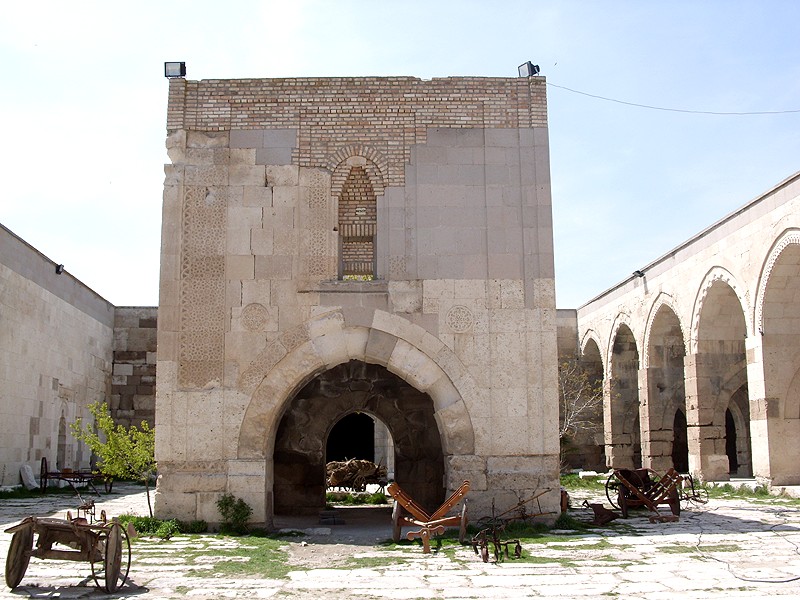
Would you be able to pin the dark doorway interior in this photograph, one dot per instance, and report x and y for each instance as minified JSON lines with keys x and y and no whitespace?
{"x":730,"y":443}
{"x":352,"y":437}
{"x":301,"y":448}
{"x":680,"y":443}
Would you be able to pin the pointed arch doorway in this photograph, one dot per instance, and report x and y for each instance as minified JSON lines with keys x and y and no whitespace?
{"x":355,"y":387}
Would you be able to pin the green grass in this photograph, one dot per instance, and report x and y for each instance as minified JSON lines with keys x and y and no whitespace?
{"x":573,"y":482}
{"x":356,"y":499}
{"x":264,"y":557}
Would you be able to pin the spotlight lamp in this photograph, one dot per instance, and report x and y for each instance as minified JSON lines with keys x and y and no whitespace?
{"x":59,"y":269}
{"x":638,"y":273}
{"x":174,"y":69}
{"x":528,"y":69}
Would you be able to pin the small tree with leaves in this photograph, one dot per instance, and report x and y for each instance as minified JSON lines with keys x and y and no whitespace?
{"x":580,"y":403}
{"x":124,"y":452}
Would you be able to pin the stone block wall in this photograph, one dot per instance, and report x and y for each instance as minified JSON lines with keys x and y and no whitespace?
{"x":55,"y":359}
{"x":252,"y":309}
{"x":133,"y":383}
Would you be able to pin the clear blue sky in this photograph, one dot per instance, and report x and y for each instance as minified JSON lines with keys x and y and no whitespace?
{"x":83,"y":100}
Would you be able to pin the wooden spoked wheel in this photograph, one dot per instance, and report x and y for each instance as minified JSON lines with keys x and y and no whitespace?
{"x":19,"y":555}
{"x":396,"y":527}
{"x":462,"y":531}
{"x":114,"y":547}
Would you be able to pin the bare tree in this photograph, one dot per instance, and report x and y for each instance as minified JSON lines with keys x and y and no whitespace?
{"x":580,"y":399}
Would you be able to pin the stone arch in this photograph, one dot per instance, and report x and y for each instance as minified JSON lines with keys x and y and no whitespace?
{"x":591,"y":337}
{"x":590,"y":441}
{"x":326,"y":341}
{"x":301,"y":442}
{"x":663,"y":300}
{"x":719,"y":331}
{"x":664,"y":389}
{"x":778,"y":321}
{"x":621,"y":403}
{"x":787,"y":238}
{"x":622,"y":319}
{"x":714,"y":275}
{"x":357,"y":155}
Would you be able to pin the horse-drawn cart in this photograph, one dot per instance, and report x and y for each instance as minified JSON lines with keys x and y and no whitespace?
{"x":103,"y":544}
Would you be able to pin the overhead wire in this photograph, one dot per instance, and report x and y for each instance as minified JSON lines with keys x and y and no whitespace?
{"x":678,"y":110}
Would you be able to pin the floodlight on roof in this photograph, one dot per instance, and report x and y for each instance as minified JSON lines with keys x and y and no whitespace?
{"x":528,"y":69}
{"x":174,"y":69}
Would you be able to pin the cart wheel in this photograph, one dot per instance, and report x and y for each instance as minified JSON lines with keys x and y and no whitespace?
{"x":396,"y":527}
{"x":485,"y":552}
{"x":19,"y":555}
{"x":612,"y":490}
{"x":115,"y":547}
{"x":518,"y":550}
{"x":462,"y":532}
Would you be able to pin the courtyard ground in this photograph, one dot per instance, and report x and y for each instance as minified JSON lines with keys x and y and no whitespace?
{"x":728,"y":548}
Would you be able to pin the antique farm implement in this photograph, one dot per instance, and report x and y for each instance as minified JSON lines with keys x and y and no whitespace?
{"x":430,"y":525}
{"x":73,"y":478}
{"x":492,"y":528}
{"x":354,"y":474}
{"x":631,"y":488}
{"x":105,"y":545}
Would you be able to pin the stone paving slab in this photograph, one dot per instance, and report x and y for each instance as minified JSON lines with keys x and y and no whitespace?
{"x":731,"y":549}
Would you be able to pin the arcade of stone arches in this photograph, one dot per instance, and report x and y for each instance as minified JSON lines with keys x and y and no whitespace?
{"x":705,"y":379}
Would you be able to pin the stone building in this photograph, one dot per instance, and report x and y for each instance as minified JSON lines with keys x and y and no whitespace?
{"x":378,"y":246}
{"x":699,"y":349}
{"x":60,"y":343}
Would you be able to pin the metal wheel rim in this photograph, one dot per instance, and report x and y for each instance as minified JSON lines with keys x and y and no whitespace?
{"x":611,"y":491}
{"x":111,"y":579}
{"x":18,"y":556}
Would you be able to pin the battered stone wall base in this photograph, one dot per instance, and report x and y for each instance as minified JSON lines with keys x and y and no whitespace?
{"x":506,"y":481}
{"x":189,"y":491}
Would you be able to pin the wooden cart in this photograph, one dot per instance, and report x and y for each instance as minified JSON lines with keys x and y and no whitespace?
{"x":644,"y":487}
{"x":430,"y":525}
{"x":105,"y":545}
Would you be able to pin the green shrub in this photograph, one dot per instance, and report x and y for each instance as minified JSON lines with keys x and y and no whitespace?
{"x":235,"y":514}
{"x":167,"y":529}
{"x":199,"y":526}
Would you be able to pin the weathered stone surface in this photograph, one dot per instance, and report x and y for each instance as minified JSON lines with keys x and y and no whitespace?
{"x":256,"y":315}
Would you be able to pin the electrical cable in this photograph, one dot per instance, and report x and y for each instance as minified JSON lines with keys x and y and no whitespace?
{"x":728,"y":565}
{"x":678,"y":110}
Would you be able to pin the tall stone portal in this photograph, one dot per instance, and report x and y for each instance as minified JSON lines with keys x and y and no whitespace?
{"x":377,"y":245}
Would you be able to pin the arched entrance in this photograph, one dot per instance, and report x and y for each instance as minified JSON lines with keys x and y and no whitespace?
{"x":625,"y":450}
{"x":666,"y":393}
{"x":337,"y":397}
{"x":718,"y":369}
{"x":777,"y":405}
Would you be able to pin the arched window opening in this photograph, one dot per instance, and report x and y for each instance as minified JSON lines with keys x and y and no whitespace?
{"x":358,"y":218}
